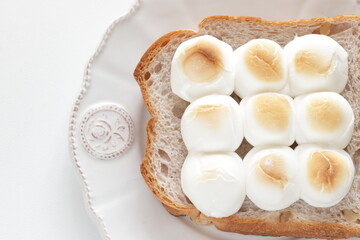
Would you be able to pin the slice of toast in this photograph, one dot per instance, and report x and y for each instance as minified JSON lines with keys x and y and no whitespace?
{"x":165,"y":150}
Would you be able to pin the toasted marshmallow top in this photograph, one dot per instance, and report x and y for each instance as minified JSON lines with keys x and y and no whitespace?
{"x":268,"y":119}
{"x":202,"y":66}
{"x":271,"y":177}
{"x":205,"y":71}
{"x":316,"y":63}
{"x":326,"y":174}
{"x":324,"y":117}
{"x":214,"y":183}
{"x":212,"y":123}
{"x":260,"y":66}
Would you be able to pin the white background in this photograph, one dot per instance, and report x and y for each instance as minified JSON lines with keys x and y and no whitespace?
{"x":44,"y":46}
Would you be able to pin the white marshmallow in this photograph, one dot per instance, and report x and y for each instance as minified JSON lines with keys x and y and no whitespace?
{"x":215,"y":183}
{"x":212,"y":123}
{"x":202,"y":66}
{"x":324,"y":117}
{"x":272,"y":177}
{"x":260,"y":66}
{"x":326,"y":174}
{"x":316,"y":63}
{"x":268,"y":118}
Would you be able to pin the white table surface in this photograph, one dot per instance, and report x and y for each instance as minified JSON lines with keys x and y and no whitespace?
{"x":44,"y":46}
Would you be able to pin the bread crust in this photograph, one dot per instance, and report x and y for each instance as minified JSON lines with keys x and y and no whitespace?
{"x":279,"y":23}
{"x":237,"y":224}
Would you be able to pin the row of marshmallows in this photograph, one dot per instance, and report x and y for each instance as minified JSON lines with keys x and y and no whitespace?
{"x":206,"y":65}
{"x":217,"y":123}
{"x":272,"y":175}
{"x":205,"y":70}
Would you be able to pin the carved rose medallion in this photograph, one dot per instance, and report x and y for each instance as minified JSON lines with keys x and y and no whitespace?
{"x":106,"y":131}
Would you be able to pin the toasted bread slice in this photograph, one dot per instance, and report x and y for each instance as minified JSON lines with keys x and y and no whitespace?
{"x":165,"y":150}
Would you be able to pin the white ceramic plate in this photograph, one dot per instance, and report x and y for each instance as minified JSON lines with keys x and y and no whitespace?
{"x":117,"y":198}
